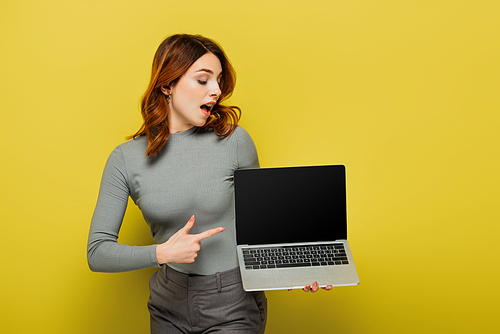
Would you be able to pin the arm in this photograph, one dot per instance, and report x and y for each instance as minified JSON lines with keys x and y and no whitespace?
{"x":104,"y":253}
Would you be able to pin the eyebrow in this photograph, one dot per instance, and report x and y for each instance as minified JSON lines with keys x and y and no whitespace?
{"x":207,"y":70}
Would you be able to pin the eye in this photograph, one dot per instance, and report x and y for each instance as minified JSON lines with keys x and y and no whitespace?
{"x":201,"y":82}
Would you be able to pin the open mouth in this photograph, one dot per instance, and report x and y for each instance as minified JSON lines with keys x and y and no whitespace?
{"x":206,"y":108}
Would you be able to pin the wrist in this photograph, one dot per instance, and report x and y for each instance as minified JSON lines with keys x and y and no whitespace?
{"x":159,"y":258}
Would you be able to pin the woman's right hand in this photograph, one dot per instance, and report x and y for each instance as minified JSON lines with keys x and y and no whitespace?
{"x":183,"y":247}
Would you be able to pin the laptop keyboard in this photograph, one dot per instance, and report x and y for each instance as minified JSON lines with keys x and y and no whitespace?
{"x":294,"y":256}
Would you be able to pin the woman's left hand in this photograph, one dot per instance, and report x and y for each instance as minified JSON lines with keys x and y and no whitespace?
{"x":315,"y":287}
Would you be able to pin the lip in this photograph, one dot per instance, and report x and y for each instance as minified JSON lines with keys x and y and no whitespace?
{"x":210,"y":103}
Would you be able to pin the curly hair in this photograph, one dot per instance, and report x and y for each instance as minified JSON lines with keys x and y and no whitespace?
{"x":172,"y":59}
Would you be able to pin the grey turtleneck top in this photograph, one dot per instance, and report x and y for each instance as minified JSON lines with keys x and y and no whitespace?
{"x":191,"y":175}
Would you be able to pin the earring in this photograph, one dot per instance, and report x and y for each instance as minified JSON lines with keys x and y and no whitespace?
{"x":168,"y":98}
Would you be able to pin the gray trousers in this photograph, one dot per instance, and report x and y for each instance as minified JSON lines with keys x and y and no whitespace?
{"x":181,"y":303}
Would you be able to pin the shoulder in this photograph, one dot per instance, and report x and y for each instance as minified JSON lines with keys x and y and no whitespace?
{"x":242,"y":135}
{"x":132,"y":147}
{"x":240,"y":130}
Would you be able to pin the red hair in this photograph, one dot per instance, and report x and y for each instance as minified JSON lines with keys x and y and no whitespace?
{"x":172,"y":59}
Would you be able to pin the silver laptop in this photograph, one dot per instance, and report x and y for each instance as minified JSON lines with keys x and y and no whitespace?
{"x":291,"y":227}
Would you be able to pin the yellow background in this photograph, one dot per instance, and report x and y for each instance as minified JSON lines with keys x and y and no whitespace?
{"x":404,"y":93}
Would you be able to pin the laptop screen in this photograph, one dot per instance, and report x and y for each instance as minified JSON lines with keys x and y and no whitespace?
{"x":290,"y":204}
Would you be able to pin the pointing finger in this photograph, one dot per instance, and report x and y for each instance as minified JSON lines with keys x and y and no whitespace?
{"x":209,"y":233}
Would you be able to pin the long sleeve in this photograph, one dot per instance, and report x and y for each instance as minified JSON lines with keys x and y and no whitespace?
{"x":104,"y":253}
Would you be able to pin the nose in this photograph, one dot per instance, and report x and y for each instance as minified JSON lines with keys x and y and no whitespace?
{"x":215,"y":91}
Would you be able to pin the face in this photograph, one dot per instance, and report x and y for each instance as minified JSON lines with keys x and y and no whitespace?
{"x":194,"y":94}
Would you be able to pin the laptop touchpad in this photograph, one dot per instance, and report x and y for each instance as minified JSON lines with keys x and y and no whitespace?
{"x":301,"y":277}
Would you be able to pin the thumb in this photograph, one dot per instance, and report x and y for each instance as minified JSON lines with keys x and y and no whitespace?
{"x":189,"y":225}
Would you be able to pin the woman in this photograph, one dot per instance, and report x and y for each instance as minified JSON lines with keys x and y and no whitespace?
{"x":179,"y":166}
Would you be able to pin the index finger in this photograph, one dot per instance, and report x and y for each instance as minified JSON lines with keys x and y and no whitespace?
{"x":209,"y":233}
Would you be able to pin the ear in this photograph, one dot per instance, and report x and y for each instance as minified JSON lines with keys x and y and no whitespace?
{"x":166,"y":90}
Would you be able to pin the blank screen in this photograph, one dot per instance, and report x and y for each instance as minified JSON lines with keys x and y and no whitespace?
{"x":291,"y":204}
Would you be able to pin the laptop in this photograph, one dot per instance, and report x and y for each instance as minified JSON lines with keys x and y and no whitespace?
{"x":291,"y":227}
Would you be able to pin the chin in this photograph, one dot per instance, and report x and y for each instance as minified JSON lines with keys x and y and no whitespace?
{"x":201,"y":122}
